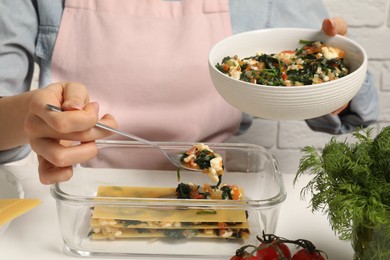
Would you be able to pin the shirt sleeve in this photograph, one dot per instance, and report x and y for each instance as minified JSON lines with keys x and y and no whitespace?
{"x":362,"y":111}
{"x":14,"y":154}
{"x":18,"y":32}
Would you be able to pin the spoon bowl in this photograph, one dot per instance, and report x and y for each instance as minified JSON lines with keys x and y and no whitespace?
{"x":173,"y":158}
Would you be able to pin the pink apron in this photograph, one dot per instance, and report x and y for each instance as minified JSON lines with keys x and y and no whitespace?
{"x":145,"y":62}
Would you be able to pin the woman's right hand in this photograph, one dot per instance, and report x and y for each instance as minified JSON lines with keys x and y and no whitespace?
{"x":61,"y":140}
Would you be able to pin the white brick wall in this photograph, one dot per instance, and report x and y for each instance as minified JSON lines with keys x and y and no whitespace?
{"x":369,"y":24}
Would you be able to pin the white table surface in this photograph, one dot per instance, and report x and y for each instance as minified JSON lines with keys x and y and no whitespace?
{"x":36,"y":234}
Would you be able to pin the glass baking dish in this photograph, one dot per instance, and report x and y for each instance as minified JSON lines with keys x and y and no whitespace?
{"x":125,"y":163}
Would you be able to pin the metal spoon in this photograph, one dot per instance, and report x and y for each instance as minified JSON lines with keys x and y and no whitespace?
{"x":174,"y":158}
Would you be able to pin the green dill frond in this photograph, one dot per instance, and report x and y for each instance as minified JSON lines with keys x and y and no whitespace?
{"x":380,"y":152}
{"x":363,"y":135}
{"x":311,"y":160}
{"x":351,"y":181}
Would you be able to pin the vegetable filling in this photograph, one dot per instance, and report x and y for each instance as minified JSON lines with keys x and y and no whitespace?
{"x":314,"y":63}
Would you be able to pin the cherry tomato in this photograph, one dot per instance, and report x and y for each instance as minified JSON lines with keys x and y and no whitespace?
{"x":304,"y":254}
{"x":270,"y":251}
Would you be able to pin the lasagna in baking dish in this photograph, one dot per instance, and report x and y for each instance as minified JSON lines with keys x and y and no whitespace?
{"x":124,"y":222}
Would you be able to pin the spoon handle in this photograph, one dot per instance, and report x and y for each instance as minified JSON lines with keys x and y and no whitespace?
{"x":108,"y":128}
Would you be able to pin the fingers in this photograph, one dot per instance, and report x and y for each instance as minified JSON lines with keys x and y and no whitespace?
{"x":55,"y":160}
{"x":75,"y":96}
{"x":71,"y":121}
{"x":68,"y":96}
{"x":76,"y":123}
{"x":341,"y":109}
{"x":49,"y":174}
{"x":62,"y":156}
{"x":47,"y":129}
{"x":335,"y":25}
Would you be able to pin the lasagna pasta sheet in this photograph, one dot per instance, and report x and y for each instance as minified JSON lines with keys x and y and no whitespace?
{"x":174,"y":215}
{"x":111,"y":222}
{"x":130,"y":224}
{"x":136,"y":192}
{"x":163,"y":233}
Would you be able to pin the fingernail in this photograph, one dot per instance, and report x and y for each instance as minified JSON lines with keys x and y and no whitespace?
{"x":95,"y":105}
{"x":76,"y":106}
{"x":73,"y":105}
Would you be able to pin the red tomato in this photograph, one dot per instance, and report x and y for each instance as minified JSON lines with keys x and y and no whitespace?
{"x":284,"y":75}
{"x":288,"y":51}
{"x":271,"y":252}
{"x":304,"y":254}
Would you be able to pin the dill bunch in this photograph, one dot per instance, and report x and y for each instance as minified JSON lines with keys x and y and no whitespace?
{"x":351,"y":182}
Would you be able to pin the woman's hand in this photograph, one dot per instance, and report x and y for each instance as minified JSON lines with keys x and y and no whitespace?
{"x":63,"y":139}
{"x":335,"y":25}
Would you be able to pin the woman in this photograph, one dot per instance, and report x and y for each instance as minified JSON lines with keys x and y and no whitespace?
{"x":143,"y":61}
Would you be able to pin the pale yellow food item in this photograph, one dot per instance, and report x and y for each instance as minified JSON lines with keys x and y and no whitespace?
{"x":168,"y":215}
{"x":113,"y":222}
{"x":13,"y":208}
{"x":136,"y":192}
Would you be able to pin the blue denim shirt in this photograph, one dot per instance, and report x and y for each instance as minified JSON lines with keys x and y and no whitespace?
{"x":28,"y":30}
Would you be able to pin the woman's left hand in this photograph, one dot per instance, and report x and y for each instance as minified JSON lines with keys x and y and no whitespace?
{"x":335,"y":25}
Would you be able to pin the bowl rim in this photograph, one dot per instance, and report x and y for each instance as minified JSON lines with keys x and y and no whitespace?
{"x":362,"y":66}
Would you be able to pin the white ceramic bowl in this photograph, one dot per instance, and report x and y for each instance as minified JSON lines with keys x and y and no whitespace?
{"x":10,"y":187}
{"x":280,"y":102}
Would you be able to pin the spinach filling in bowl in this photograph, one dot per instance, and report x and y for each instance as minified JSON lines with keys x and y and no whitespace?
{"x":314,"y":63}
